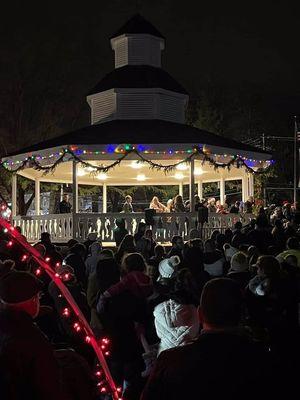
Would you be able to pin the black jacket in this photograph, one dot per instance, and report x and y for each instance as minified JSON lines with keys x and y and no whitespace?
{"x":28,"y":368}
{"x":216,"y":366}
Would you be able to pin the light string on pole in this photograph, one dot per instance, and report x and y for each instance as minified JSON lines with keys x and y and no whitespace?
{"x":68,"y":154}
{"x":105,"y":383}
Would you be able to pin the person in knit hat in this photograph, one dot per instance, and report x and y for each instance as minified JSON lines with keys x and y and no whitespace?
{"x":28,"y":367}
{"x":167,"y":268}
{"x":239,"y":269}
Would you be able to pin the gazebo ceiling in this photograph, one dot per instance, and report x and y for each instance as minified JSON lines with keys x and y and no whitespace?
{"x":155,"y":133}
{"x":130,"y":172}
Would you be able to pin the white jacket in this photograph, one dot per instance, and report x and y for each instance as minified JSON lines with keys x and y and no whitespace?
{"x":176,"y":324}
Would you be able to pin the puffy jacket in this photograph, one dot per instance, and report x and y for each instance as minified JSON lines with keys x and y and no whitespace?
{"x":176,"y":324}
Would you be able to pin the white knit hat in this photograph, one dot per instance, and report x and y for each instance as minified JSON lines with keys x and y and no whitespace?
{"x":167,"y":267}
{"x":238,"y":262}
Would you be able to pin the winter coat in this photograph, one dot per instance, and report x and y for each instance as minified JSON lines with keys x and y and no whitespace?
{"x":77,"y":263}
{"x":136,"y":282}
{"x":60,"y":303}
{"x":218,"y":365}
{"x":213,"y":263}
{"x":28,"y":368}
{"x":176,"y":324}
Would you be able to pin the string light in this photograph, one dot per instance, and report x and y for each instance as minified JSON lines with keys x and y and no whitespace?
{"x":73,"y":153}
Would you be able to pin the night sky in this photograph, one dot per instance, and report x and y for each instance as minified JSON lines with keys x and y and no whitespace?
{"x":59,"y":50}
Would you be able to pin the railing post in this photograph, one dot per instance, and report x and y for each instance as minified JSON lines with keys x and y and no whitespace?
{"x":14,"y":195}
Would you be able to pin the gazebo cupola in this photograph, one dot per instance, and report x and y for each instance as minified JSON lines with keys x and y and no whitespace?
{"x":138,"y":88}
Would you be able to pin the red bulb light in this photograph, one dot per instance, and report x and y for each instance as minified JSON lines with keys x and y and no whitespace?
{"x":88,"y":339}
{"x":10,"y":243}
{"x":107,"y":353}
{"x":38,"y":272}
{"x":47,"y":259}
{"x":77,"y":327}
{"x":66,"y":312}
{"x":24,"y":257}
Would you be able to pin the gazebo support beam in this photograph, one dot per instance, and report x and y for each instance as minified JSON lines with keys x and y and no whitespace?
{"x":200,"y":189}
{"x":181,"y":188}
{"x":222,"y":191}
{"x":104,"y":198}
{"x":75,"y":198}
{"x":251,"y":185}
{"x":192,"y":185}
{"x":37,"y":193}
{"x":14,"y":195}
{"x":245,"y":188}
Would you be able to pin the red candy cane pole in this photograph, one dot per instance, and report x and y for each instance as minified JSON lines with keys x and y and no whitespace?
{"x":90,"y":338}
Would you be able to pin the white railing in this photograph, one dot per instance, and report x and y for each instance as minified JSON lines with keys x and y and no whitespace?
{"x":58,"y":225}
{"x":166,"y":225}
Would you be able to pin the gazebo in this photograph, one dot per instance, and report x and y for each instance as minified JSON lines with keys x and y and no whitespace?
{"x":137,"y":136}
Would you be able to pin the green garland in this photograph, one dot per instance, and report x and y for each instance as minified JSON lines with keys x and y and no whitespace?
{"x":33,"y":163}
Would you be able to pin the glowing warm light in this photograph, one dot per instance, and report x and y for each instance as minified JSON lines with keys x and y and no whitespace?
{"x":88,"y":339}
{"x":102,"y":176}
{"x":66,"y":312}
{"x":136,"y":165}
{"x":141,"y":177}
{"x":198,"y":171}
{"x":182,"y":167}
{"x":179,"y":176}
{"x":80,"y":172}
{"x":91,"y":169}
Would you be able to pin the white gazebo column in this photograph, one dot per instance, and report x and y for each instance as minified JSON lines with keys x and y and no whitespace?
{"x":75,"y":199}
{"x":200,"y":190}
{"x":251,"y":185}
{"x":180,"y":189}
{"x":37,"y":204}
{"x":104,"y":198}
{"x":245,"y":188}
{"x":75,"y":187}
{"x":192,"y":185}
{"x":14,"y":195}
{"x":222,"y":191}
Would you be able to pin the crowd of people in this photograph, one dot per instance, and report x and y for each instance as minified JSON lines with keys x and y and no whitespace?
{"x":214,"y":318}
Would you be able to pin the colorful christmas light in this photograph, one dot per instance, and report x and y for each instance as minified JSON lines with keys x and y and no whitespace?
{"x":73,"y":153}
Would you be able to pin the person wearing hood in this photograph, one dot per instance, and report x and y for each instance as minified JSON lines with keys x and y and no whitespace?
{"x":93,"y":258}
{"x":176,"y":320}
{"x":120,"y":231}
{"x":76,"y":260}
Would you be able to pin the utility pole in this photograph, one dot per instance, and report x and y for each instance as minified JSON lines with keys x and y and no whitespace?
{"x":295,"y":159}
{"x":264,"y":186}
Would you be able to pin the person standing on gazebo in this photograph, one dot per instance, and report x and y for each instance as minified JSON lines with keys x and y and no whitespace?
{"x":127,"y":206}
{"x":65,"y":206}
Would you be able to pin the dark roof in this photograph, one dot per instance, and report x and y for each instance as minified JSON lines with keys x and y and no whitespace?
{"x":138,"y":76}
{"x":137,"y":24}
{"x":139,"y":132}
